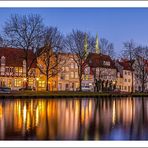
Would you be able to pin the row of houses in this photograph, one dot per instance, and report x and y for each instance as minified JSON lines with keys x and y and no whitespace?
{"x":99,"y":68}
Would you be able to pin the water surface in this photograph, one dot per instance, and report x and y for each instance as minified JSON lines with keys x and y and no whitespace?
{"x":74,"y":119}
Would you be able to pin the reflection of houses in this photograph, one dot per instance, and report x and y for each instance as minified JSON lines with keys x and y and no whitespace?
{"x":12,"y":68}
{"x":124,"y":77}
{"x":72,"y":119}
{"x":99,"y":67}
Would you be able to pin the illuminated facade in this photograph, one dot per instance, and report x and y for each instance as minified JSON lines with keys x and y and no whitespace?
{"x":99,"y":67}
{"x":41,"y":78}
{"x":13,"y":69}
{"x":67,"y":77}
{"x":124,"y":76}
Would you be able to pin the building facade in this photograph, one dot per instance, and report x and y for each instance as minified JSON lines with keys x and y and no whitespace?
{"x":99,"y":68}
{"x":68,"y":78}
{"x":125,"y":76}
{"x":13,"y":69}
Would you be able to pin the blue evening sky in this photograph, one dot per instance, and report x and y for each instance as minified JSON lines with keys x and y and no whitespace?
{"x":115,"y":24}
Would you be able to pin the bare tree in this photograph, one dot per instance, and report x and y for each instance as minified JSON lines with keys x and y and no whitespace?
{"x":2,"y":42}
{"x":76,"y":43}
{"x":25,"y":32}
{"x":51,"y":54}
{"x":107,"y":47}
{"x":141,"y":66}
{"x":129,"y":53}
{"x":129,"y":49}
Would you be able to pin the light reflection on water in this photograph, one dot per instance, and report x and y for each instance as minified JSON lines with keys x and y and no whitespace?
{"x":74,"y":119}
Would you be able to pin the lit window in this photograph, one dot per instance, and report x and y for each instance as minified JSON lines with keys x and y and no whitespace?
{"x":76,"y":66}
{"x":67,"y":68}
{"x":30,"y":82}
{"x":72,"y":65}
{"x":18,"y":83}
{"x":76,"y":74}
{"x":107,"y":63}
{"x":86,"y":77}
{"x":41,"y":83}
{"x":72,"y":74}
{"x":66,"y":77}
{"x":77,"y":85}
{"x":62,"y":68}
{"x":20,"y":70}
{"x":9,"y":83}
{"x":54,"y":84}
{"x":16,"y":69}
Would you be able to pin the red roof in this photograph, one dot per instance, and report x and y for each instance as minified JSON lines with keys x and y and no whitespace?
{"x":126,"y":64}
{"x":95,"y":60}
{"x":14,"y":57}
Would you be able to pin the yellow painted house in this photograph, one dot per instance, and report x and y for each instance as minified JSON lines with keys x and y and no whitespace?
{"x":67,"y":77}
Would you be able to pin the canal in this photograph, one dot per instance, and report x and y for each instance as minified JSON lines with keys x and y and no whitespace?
{"x":74,"y":119}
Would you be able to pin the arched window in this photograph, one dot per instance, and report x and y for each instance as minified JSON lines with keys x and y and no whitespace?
{"x":24,"y":62}
{"x":2,"y":60}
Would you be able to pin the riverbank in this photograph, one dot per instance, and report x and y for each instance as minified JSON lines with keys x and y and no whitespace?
{"x":34,"y":94}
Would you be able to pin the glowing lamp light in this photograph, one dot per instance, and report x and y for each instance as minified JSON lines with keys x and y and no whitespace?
{"x":25,"y":79}
{"x":37,"y":79}
{"x":90,"y":84}
{"x":114,"y":82}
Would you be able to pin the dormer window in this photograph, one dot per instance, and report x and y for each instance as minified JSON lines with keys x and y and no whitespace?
{"x":3,"y":60}
{"x":107,"y":63}
{"x":24,"y":62}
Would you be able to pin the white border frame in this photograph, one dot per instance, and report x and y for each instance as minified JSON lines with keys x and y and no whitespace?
{"x":73,"y":4}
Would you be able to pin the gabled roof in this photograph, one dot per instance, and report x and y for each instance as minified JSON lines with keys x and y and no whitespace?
{"x":126,"y":64}
{"x":95,"y":60}
{"x":14,"y":57}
